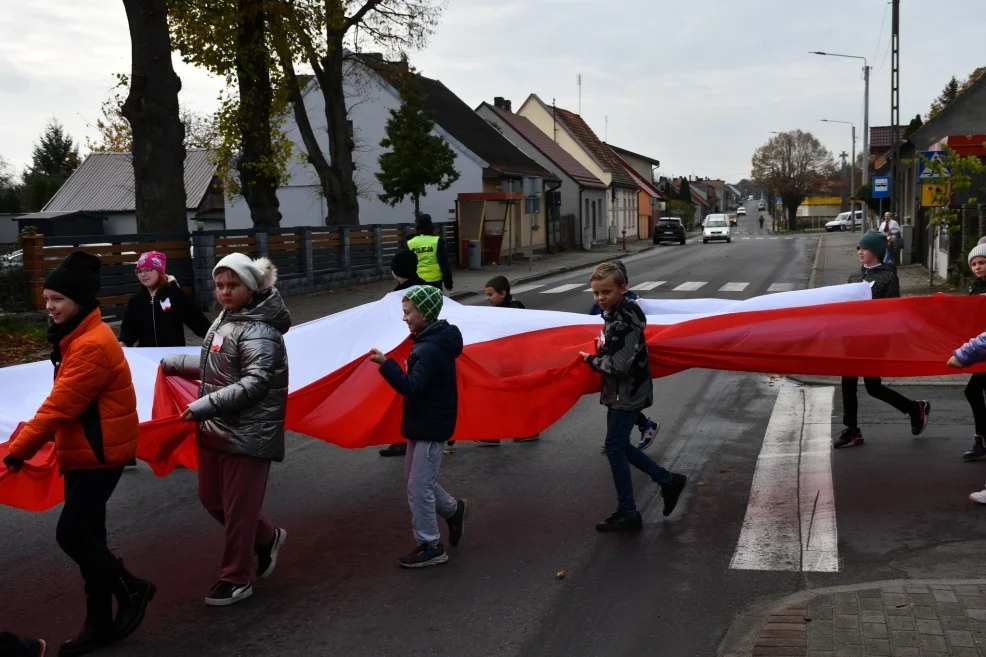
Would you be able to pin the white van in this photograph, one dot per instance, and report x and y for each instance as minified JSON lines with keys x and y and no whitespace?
{"x":716,"y":227}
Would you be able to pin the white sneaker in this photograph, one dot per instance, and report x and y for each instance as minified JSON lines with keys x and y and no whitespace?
{"x":648,"y":435}
{"x":978,"y":496}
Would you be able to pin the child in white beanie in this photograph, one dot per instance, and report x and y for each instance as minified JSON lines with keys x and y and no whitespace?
{"x":241,"y":412}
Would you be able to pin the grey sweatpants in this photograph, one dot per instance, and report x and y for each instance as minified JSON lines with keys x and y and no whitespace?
{"x":424,"y":494}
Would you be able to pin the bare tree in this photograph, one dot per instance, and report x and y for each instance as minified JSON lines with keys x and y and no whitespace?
{"x":152,"y":111}
{"x":792,"y":164}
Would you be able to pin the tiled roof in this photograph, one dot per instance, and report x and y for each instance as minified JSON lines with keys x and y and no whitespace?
{"x":640,"y":180}
{"x":460,"y":121}
{"x":881,"y":137}
{"x":623,"y":152}
{"x":558,"y":155}
{"x":104,"y":182}
{"x":581,"y":131}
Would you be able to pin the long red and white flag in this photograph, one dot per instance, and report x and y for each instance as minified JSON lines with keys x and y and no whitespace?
{"x":524,"y":360}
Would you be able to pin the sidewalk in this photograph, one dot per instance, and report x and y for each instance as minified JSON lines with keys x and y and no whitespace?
{"x":900,"y":618}
{"x":835,"y":259}
{"x":466,"y":282}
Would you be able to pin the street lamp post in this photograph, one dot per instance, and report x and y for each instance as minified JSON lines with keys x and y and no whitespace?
{"x":852,"y":175}
{"x":866,"y":110}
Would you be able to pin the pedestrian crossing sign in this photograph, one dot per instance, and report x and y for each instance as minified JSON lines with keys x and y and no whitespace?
{"x":927,"y":172}
{"x":933,"y":195}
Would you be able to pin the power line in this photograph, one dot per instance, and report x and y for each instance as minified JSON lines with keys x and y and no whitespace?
{"x":883,"y":21}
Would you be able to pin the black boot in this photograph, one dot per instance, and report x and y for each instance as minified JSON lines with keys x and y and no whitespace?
{"x":97,"y":631}
{"x":132,"y":595}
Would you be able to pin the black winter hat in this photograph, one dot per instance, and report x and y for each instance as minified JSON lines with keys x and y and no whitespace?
{"x":405,"y":264}
{"x":77,"y":278}
{"x":424,"y":221}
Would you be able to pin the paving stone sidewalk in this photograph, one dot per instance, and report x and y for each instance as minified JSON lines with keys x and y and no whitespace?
{"x":918,"y":618}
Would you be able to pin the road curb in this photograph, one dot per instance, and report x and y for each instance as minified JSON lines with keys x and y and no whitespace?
{"x":809,"y":380}
{"x":559,"y":270}
{"x":814,"y":264}
{"x":745,"y":630}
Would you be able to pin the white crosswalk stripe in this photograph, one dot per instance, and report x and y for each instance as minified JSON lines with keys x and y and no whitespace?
{"x":733,"y":287}
{"x":648,"y":285}
{"x":526,"y":288}
{"x":690,"y":286}
{"x":562,"y":288}
{"x":781,"y":287}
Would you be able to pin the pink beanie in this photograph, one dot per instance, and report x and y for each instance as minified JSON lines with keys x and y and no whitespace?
{"x":152,"y":260}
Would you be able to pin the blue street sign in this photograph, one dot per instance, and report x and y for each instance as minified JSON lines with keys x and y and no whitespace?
{"x":926,"y":171}
{"x":881,"y":186}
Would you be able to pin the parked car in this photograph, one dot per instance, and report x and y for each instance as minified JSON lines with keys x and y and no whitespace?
{"x":669,"y":229}
{"x":716,"y":228}
{"x":12,"y":260}
{"x":841,"y":222}
{"x":741,"y":210}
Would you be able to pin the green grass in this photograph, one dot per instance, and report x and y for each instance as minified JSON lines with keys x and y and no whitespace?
{"x":17,"y":326}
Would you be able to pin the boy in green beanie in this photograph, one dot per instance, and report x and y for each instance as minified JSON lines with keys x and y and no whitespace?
{"x":871,"y":250}
{"x":431,"y":406}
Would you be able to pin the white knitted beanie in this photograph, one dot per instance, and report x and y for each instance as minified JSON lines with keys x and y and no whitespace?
{"x":979,"y":251}
{"x":258,"y":275}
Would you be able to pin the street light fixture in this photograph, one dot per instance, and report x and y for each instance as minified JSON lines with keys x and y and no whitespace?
{"x":852,"y":173}
{"x":866,"y":109}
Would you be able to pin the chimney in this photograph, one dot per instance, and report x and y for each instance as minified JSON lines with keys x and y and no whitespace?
{"x":506,"y":106}
{"x":498,"y":102}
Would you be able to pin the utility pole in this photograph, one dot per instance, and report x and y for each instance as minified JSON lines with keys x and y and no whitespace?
{"x":845,"y":175}
{"x":895,"y":186}
{"x":852,"y":184}
{"x":578,"y":81}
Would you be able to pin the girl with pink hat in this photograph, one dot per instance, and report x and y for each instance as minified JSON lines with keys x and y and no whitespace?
{"x":157,"y":314}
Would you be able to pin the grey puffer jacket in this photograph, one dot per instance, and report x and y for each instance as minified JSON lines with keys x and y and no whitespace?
{"x":243,"y":371}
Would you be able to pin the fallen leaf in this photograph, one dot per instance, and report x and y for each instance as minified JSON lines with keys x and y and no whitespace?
{"x":807,"y":619}
{"x":723,"y":470}
{"x":560,"y":574}
{"x":701,"y":483}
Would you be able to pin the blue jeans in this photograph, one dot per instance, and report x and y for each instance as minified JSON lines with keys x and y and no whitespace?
{"x":425,"y":496}
{"x":621,"y":455}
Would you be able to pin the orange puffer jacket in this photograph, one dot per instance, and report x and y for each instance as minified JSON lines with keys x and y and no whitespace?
{"x":91,"y":412}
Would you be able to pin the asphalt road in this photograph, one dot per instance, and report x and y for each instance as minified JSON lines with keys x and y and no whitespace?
{"x":666,"y":591}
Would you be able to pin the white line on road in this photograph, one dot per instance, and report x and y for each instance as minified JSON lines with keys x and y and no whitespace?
{"x":648,"y":285}
{"x":733,"y":287}
{"x":690,"y":286}
{"x":790,"y":522}
{"x":562,"y":288}
{"x":781,"y":287}
{"x":520,"y":289}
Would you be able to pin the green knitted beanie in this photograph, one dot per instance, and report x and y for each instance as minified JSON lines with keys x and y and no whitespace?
{"x":876,"y":242}
{"x":427,"y":299}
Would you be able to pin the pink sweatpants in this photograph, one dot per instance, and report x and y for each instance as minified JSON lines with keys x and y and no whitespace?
{"x":232,"y":488}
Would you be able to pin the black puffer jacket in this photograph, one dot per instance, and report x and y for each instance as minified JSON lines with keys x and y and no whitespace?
{"x":510,"y":302}
{"x":978,"y":287}
{"x":623,"y":359}
{"x":884,"y":280}
{"x":159,"y":320}
{"x":431,"y":398}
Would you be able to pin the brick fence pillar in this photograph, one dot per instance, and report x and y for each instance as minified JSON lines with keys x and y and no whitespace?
{"x":34,"y":268}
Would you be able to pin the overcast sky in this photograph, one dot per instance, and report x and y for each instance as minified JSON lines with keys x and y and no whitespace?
{"x":696,"y":85}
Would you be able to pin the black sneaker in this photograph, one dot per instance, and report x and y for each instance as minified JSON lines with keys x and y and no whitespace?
{"x":267,"y":557}
{"x":978,"y":451}
{"x":849,"y":438}
{"x":457,"y":523}
{"x":919,"y":419}
{"x":671,"y":492}
{"x":397,"y":449}
{"x":423,"y":556}
{"x":227,"y":593}
{"x":488,"y":443}
{"x":619,"y":522}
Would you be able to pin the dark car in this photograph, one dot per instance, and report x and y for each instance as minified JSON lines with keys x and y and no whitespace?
{"x":669,"y":230}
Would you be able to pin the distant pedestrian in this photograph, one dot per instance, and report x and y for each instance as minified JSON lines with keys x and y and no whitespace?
{"x":974,"y":352}
{"x":433,"y":261}
{"x":431,"y":405}
{"x":891,"y":229}
{"x":498,"y":295}
{"x":12,"y":645}
{"x":91,"y":415}
{"x":243,"y":370}
{"x":621,"y":357}
{"x":871,"y":250}
{"x":648,"y":427}
{"x":157,"y":315}
{"x":404,"y":269}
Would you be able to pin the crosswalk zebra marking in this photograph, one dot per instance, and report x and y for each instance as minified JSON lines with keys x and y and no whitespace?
{"x":690,"y":286}
{"x":562,"y":288}
{"x":734,"y":287}
{"x":781,"y":287}
{"x":520,"y":289}
{"x":649,"y":285}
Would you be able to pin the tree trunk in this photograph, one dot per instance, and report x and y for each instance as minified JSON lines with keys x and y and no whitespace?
{"x":792,"y":214}
{"x":417,"y":206}
{"x":258,"y":183}
{"x":342,"y":197}
{"x":152,"y":110}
